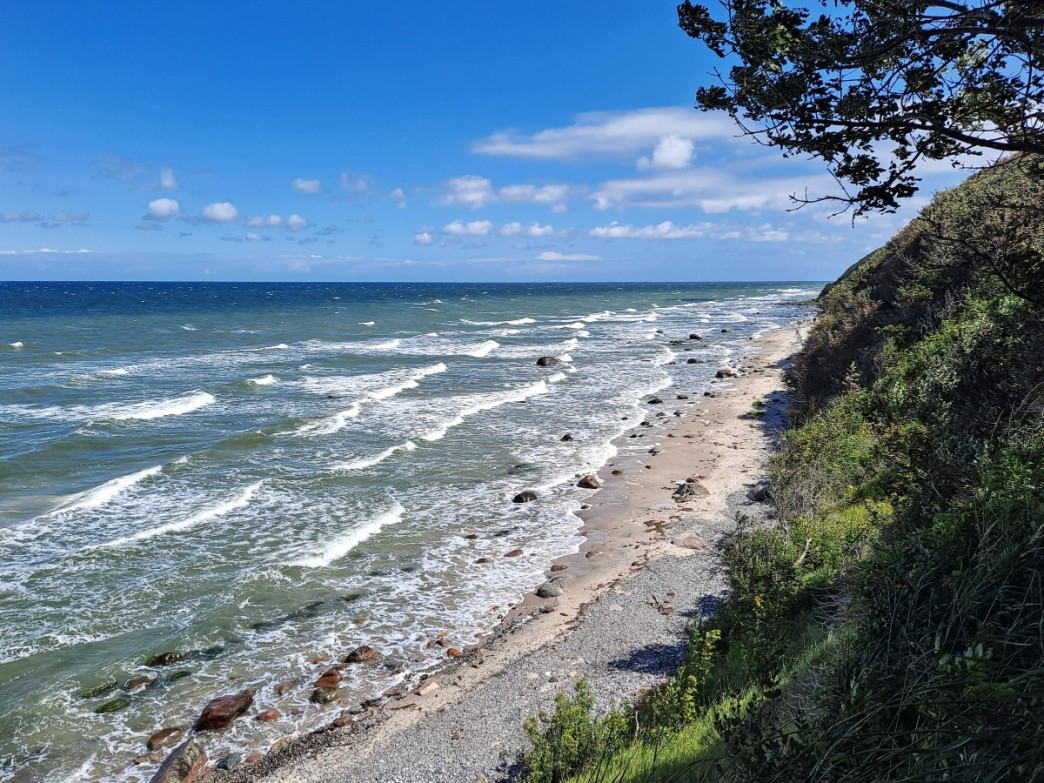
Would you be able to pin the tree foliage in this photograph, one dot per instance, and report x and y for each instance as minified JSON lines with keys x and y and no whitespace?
{"x":876,"y":87}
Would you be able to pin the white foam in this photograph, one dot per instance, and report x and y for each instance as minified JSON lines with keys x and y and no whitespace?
{"x":368,"y":462}
{"x":330,"y":424}
{"x":558,"y":376}
{"x":117,"y":371}
{"x":345,"y":543}
{"x":176,"y":406}
{"x":241,"y":500}
{"x":264,"y":380}
{"x":482,"y":349}
{"x":409,"y":383}
{"x":513,"y":322}
{"x":17,"y":345}
{"x":488,"y":402}
{"x":189,"y":328}
{"x":366,"y":323}
{"x":596,"y":316}
{"x":103,"y":493}
{"x":280,"y":347}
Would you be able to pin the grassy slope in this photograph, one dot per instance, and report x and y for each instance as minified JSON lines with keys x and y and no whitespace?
{"x":891,"y":626}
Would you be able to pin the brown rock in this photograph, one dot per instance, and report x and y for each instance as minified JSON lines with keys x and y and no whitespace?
{"x":342,"y":720}
{"x":267,"y":716}
{"x":617,"y":472}
{"x":688,"y":491}
{"x":726,"y":372}
{"x":164,"y":738}
{"x":136,"y":682}
{"x":329,"y":679}
{"x":155,"y":757}
{"x":547,"y":361}
{"x":483,"y":560}
{"x":589,"y":482}
{"x":164,"y":659}
{"x":428,"y":688}
{"x":325,"y":695}
{"x":452,"y":652}
{"x":254,"y":757}
{"x":321,"y":659}
{"x":559,"y":567}
{"x":183,"y":765}
{"x":362,"y":654}
{"x":514,"y":553}
{"x":284,"y":688}
{"x":694,"y":361}
{"x":222,"y":711}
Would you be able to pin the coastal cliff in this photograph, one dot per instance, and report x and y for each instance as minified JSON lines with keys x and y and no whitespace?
{"x":889,"y":623}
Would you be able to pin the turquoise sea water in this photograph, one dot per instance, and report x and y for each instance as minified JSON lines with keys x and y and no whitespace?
{"x":257,"y":474}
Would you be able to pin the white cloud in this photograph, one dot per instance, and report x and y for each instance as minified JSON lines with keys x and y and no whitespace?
{"x":253,"y":236}
{"x":531,"y":194}
{"x":559,"y":208}
{"x":672,"y":152}
{"x":551,"y":255}
{"x":163,"y":209}
{"x":399,"y":196}
{"x":537,"y":230}
{"x":664,"y":230}
{"x":47,"y":251}
{"x":272,"y":221}
{"x":422,"y":238}
{"x":476,"y":192}
{"x":307,"y":186}
{"x":296,"y":223}
{"x":714,"y":190}
{"x":19,"y":217}
{"x":70,"y":217}
{"x":476,"y":228}
{"x":220,"y":212}
{"x":610,"y":134}
{"x":510,"y":229}
{"x":469,"y":191}
{"x":167,"y":180}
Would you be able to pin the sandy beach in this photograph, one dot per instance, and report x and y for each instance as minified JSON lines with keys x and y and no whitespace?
{"x":648,"y":566}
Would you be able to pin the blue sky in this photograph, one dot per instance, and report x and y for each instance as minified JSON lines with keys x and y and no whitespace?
{"x":460,"y":141}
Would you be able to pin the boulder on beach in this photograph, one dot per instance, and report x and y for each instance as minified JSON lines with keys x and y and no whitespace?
{"x":761,"y":492}
{"x":694,"y":361}
{"x":589,"y":482}
{"x":514,"y":553}
{"x":362,"y":654}
{"x":551,"y":589}
{"x":566,"y":438}
{"x":269,"y":715}
{"x":726,"y":372}
{"x":695,"y":336}
{"x":688,"y":491}
{"x":164,"y":738}
{"x":547,"y":361}
{"x":329,"y":679}
{"x":655,"y":401}
{"x":183,"y":765}
{"x":526,"y":496}
{"x":222,"y":711}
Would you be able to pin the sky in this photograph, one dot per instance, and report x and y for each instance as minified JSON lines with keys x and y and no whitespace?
{"x":348,"y":141}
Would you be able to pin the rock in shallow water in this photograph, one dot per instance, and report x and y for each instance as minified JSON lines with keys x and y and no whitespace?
{"x":164,"y":659}
{"x":527,"y":496}
{"x":183,"y":765}
{"x":165,"y":738}
{"x":589,"y":482}
{"x":222,"y":711}
{"x":547,"y":361}
{"x":362,"y":654}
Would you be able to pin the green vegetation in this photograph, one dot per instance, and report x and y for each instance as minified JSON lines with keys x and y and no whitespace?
{"x":889,"y":626}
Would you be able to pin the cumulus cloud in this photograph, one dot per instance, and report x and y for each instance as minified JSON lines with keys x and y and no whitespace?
{"x":537,"y":230}
{"x":163,"y":209}
{"x":552,"y":255}
{"x":476,"y":192}
{"x":220,"y":212}
{"x":70,"y":217}
{"x":422,"y":238}
{"x":533,"y":194}
{"x":253,"y":236}
{"x":167,"y":180}
{"x":672,"y":152}
{"x":272,"y":221}
{"x":399,"y":196}
{"x":296,"y":223}
{"x":476,"y":228}
{"x":19,"y":217}
{"x":307,"y":186}
{"x":664,"y":230}
{"x":510,"y":229}
{"x":613,"y":134}
{"x":714,"y":190}
{"x":468,"y":191}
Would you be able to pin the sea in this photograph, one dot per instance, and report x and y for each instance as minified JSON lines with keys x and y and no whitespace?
{"x":256,"y":476}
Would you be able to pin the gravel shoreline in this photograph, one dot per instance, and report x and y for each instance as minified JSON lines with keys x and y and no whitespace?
{"x":649,"y":567}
